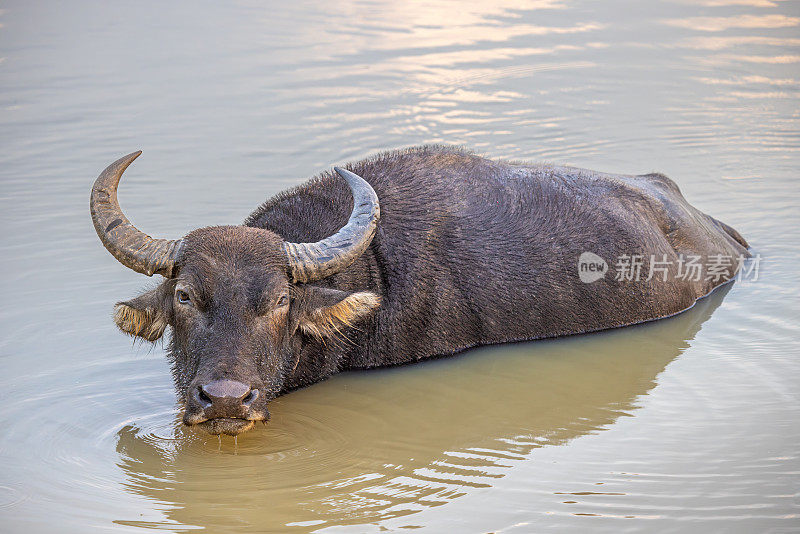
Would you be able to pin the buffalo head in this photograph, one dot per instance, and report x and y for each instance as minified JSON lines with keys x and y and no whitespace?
{"x":239,"y":301}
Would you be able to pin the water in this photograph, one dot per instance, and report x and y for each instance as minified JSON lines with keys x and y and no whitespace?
{"x":687,"y":424}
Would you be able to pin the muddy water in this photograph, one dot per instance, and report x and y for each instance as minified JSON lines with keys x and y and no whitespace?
{"x":687,"y":424}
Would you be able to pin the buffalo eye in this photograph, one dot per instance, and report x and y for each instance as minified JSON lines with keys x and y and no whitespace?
{"x":183,"y":297}
{"x":283,"y":300}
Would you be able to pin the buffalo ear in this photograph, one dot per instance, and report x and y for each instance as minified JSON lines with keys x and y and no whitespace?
{"x":146,"y":316}
{"x":323,"y":312}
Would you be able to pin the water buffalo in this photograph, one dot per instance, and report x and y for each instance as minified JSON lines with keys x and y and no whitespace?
{"x":404,"y":256}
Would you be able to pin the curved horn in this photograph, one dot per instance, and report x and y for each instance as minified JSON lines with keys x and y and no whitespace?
{"x":313,"y":261}
{"x":133,"y":248}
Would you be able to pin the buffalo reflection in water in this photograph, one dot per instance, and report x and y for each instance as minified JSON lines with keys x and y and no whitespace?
{"x":371,"y":445}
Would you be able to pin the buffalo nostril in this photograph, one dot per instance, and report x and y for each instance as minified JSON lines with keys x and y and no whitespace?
{"x":204,"y":398}
{"x":226,"y":393}
{"x":250,"y":397}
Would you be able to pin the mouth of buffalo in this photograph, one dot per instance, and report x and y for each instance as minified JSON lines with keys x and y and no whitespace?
{"x":226,"y":425}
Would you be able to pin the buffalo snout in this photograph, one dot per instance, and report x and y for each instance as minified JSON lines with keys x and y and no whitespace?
{"x":223,"y":406}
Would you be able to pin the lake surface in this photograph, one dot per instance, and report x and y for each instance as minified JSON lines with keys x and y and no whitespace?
{"x":688,"y":424}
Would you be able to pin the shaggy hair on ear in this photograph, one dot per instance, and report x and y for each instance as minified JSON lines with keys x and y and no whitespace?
{"x":145,"y":323}
{"x":326,"y":322}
